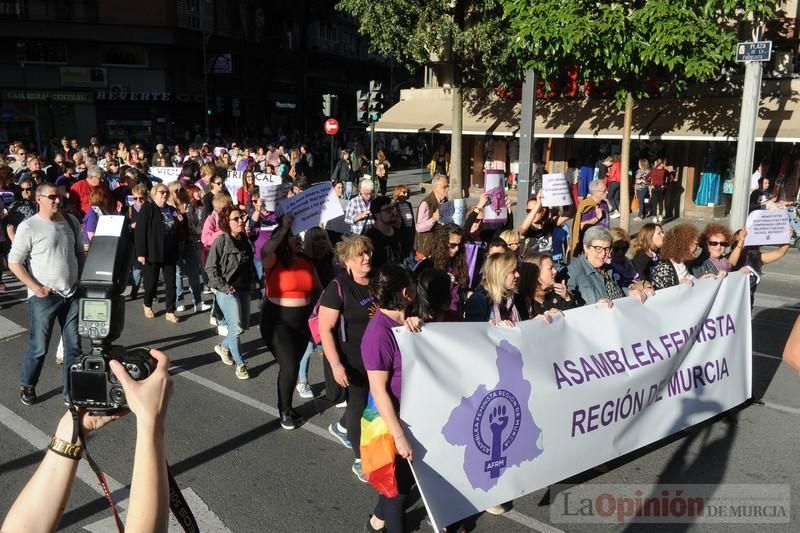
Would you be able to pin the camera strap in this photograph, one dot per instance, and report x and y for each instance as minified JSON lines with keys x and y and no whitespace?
{"x":177,"y":502}
{"x":77,"y":435}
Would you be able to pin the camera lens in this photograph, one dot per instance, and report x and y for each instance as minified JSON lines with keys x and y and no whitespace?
{"x":135,"y":371}
{"x":117,"y":395}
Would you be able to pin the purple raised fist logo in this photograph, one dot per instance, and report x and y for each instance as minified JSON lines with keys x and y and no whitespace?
{"x":501,"y":407}
{"x":496,"y":426}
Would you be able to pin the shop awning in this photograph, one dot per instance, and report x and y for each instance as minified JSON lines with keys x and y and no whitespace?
{"x":668,"y":119}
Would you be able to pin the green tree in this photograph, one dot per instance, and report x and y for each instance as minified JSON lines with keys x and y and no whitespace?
{"x":466,"y":40}
{"x":674,"y":41}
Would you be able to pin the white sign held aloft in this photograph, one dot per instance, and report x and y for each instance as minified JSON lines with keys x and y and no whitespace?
{"x":767,"y":226}
{"x":555,"y":190}
{"x":312,"y":207}
{"x":272,"y":193}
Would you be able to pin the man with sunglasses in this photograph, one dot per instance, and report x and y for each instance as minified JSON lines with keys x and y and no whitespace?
{"x":46,"y":256}
{"x":22,"y":209}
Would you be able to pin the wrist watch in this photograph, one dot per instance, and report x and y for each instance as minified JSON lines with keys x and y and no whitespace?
{"x":65,"y":449}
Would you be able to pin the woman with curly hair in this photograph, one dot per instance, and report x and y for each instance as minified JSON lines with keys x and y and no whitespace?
{"x":715,"y":240}
{"x":680,"y":246}
{"x":646,"y":249}
{"x":448,"y":254}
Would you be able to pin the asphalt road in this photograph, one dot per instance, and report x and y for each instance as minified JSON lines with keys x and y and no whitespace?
{"x":243,"y":473}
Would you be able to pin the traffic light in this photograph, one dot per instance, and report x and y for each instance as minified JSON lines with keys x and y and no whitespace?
{"x":377,"y":100}
{"x":327,"y":107}
{"x":362,"y":106}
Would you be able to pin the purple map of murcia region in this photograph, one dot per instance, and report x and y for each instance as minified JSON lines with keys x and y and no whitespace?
{"x":495,"y":425}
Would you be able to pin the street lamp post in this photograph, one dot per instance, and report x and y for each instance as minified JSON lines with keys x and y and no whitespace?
{"x":204,"y":38}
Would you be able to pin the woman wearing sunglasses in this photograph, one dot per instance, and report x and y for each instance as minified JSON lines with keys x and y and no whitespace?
{"x":159,"y":229}
{"x":231,"y":276}
{"x":139,"y":197}
{"x":715,"y":239}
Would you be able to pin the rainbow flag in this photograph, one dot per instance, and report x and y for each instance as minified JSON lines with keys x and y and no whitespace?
{"x":378,"y":452}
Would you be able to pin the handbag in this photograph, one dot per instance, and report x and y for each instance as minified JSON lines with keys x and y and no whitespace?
{"x":378,"y":452}
{"x":313,"y":319}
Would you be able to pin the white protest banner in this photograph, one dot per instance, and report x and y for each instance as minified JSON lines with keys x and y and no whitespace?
{"x":312,"y":207}
{"x":767,"y":226}
{"x":262,"y":178}
{"x":555,"y":190}
{"x":166,"y":174}
{"x":271,"y":193}
{"x":494,"y":413}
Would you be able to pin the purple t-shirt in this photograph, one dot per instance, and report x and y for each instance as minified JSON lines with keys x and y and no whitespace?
{"x":605,"y":222}
{"x":379,"y":351}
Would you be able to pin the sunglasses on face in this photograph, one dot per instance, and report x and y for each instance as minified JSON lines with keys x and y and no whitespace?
{"x":51,"y":197}
{"x":217,"y":182}
{"x":724,"y":244}
{"x":139,"y":198}
{"x":26,"y":189}
{"x":453,"y":245}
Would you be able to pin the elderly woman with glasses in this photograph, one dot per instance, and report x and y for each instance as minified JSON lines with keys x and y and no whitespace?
{"x":591,"y":280}
{"x":715,"y":240}
{"x":159,"y":228}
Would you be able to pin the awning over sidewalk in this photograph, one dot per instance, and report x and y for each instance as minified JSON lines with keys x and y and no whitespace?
{"x":668,"y":119}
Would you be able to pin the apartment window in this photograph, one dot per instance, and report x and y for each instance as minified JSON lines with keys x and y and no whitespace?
{"x":41,"y":52}
{"x":125,"y":56}
{"x":12,"y":9}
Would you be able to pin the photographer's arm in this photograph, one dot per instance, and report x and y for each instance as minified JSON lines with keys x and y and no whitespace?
{"x":148,"y":400}
{"x":41,"y":503}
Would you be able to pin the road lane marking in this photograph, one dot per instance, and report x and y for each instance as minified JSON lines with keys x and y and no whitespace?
{"x":782,"y":408}
{"x":768,"y":356}
{"x":9,"y":328}
{"x":514,"y":516}
{"x":530,"y":522}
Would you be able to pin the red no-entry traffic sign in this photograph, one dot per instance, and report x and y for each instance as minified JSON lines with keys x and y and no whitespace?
{"x":331,"y":126}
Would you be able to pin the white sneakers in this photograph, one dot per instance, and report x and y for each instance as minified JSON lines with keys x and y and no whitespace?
{"x":194,"y":308}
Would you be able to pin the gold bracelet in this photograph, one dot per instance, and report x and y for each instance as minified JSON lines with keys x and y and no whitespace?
{"x":65,"y":449}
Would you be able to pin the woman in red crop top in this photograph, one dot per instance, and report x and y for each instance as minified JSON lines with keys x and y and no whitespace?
{"x":291,"y":283}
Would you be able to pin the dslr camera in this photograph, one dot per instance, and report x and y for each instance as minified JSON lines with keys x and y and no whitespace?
{"x":101,"y":317}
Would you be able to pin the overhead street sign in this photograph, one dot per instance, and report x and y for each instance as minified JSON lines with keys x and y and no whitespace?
{"x":754,"y":51}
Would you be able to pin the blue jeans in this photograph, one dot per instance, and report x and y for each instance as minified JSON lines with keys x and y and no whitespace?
{"x":42,"y":314}
{"x":641,"y":194}
{"x":189,"y":264}
{"x":137,"y":271}
{"x":613,"y":196}
{"x":236,"y":308}
{"x":302,"y":376}
{"x":259,"y":275}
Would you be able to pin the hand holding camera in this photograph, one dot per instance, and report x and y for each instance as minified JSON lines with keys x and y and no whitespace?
{"x":148,"y":398}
